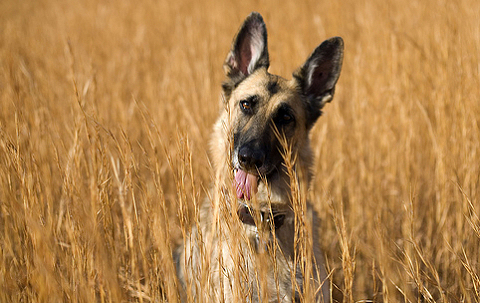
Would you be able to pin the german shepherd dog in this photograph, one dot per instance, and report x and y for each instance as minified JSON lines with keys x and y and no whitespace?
{"x":245,"y":245}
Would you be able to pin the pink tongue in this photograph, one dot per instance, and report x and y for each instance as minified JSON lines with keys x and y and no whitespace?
{"x":246,"y":184}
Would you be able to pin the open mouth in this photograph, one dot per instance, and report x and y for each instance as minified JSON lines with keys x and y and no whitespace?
{"x":246,"y":183}
{"x":246,"y":186}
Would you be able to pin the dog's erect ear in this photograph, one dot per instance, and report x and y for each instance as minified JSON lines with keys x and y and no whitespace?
{"x":249,"y":49}
{"x":318,"y":76}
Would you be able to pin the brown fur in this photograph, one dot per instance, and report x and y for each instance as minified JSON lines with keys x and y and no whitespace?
{"x":263,"y":130}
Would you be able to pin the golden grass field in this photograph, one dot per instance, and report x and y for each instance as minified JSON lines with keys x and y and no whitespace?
{"x":106,"y":109}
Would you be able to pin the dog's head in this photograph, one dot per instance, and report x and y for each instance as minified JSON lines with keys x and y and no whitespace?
{"x":266,"y":107}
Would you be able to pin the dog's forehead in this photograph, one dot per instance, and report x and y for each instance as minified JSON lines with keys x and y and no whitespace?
{"x":270,"y":88}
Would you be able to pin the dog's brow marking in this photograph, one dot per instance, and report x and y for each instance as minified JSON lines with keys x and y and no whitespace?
{"x":273,"y":87}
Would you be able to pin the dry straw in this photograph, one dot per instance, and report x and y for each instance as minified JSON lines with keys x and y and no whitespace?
{"x":106,"y":111}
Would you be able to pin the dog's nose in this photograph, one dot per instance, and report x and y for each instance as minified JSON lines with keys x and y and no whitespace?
{"x":250,"y":158}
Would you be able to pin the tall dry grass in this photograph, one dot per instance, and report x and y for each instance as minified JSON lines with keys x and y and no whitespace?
{"x":106,"y":110}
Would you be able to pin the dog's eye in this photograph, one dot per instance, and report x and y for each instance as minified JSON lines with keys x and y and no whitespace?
{"x":286,"y":118}
{"x":245,"y":105}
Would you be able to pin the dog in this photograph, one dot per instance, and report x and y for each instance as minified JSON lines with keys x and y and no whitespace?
{"x":246,"y":244}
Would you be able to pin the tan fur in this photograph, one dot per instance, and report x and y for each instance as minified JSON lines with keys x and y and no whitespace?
{"x":224,"y":259}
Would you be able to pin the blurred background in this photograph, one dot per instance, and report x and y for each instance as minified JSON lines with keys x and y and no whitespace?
{"x":106,"y":110}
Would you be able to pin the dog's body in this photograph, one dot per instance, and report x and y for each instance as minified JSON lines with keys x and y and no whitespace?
{"x":252,"y":254}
